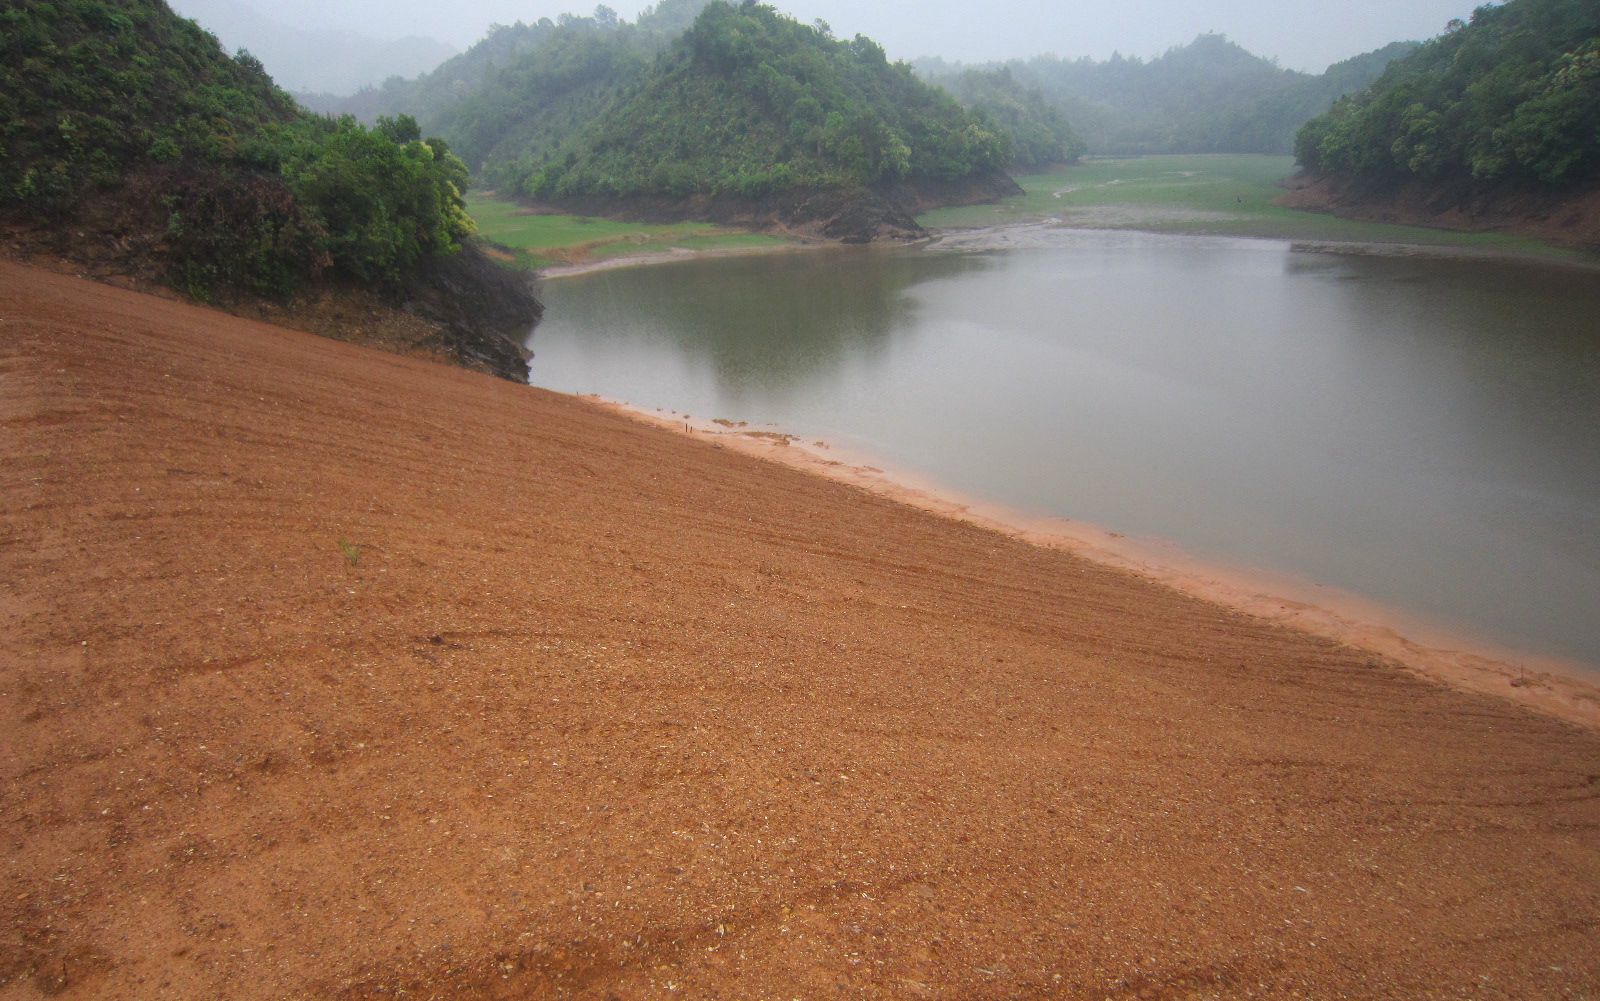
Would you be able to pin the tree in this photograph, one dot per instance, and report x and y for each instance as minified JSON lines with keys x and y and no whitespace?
{"x":1513,"y":96}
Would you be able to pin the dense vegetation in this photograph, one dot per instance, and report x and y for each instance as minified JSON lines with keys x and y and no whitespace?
{"x":1270,"y":124}
{"x":1038,"y":134}
{"x":1210,"y":96}
{"x":749,"y":103}
{"x":121,"y":112}
{"x":524,"y":88}
{"x":1512,"y":97}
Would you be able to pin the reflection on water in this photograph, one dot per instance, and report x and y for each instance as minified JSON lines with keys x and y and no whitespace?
{"x":1420,"y":431}
{"x":778,"y":325}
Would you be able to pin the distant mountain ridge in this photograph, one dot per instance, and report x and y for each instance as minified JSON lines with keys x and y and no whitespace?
{"x":314,"y":61}
{"x":739,"y":113}
{"x":1209,"y":96}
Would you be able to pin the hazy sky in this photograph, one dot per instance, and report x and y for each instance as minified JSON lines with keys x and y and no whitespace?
{"x":1301,"y":35}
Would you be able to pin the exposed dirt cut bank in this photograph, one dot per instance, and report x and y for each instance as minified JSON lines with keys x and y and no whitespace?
{"x":329,"y":673}
{"x":1564,"y":218}
{"x":463,"y":308}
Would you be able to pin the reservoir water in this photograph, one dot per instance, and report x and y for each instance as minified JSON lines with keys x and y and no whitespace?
{"x":1423,"y":432}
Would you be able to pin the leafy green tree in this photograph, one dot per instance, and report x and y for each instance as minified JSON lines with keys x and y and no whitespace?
{"x":507,"y":103}
{"x":1512,"y":96}
{"x":122,"y":103}
{"x":1037,"y":133}
{"x":749,"y":102}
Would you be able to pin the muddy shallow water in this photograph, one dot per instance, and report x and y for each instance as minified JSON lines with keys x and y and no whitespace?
{"x":1420,"y":431}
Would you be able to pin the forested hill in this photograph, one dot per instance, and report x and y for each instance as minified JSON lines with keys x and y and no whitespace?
{"x":130,"y":137}
{"x":1210,"y":96}
{"x":1038,"y":133}
{"x":752,"y":109}
{"x":1511,"y":98}
{"x":524,"y":88}
{"x":1270,"y":124}
{"x":1493,"y":125}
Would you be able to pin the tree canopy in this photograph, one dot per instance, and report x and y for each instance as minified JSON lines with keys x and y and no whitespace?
{"x":749,"y":102}
{"x":122,"y":102}
{"x":524,"y":88}
{"x":1511,"y":97}
{"x":1037,"y":132}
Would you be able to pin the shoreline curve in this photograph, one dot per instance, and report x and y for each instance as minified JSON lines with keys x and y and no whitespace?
{"x":1565,"y":689}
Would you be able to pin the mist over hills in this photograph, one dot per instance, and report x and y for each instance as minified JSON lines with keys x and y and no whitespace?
{"x":517,"y":95}
{"x":1209,"y":96}
{"x":314,"y":60}
{"x":525,"y":86}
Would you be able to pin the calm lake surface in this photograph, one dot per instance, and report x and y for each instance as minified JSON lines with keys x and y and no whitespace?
{"x":1424,"y":432}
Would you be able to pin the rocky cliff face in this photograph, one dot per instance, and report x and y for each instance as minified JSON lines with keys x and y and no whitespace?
{"x":484,"y":312}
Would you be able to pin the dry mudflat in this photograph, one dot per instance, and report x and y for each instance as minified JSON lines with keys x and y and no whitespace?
{"x":328,"y":673}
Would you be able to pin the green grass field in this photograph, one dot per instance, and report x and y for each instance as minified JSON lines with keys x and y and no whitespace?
{"x":1200,"y":194}
{"x":545,"y":240}
{"x":1210,"y":194}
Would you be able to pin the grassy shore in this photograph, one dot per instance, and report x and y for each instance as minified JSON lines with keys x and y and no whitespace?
{"x":538,"y":240}
{"x":1202,"y":194}
{"x":1227,"y":195}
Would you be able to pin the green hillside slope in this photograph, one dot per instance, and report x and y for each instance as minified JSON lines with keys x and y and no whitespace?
{"x":750,"y":105}
{"x":1512,"y":97}
{"x":127,"y":132}
{"x":524,"y":88}
{"x":1039,"y":135}
{"x":1269,"y":124}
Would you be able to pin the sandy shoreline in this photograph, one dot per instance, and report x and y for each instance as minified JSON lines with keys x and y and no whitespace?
{"x":1560,"y":687}
{"x":335,"y":674}
{"x":1565,"y":689}
{"x":557,"y":272}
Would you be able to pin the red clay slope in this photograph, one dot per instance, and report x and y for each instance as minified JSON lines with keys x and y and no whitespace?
{"x":599,"y":711}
